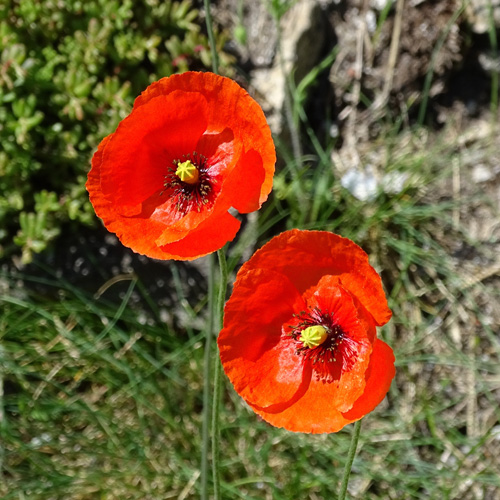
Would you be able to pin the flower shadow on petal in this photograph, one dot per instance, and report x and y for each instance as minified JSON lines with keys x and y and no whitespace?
{"x":254,"y":353}
{"x":300,"y":391}
{"x":378,"y":376}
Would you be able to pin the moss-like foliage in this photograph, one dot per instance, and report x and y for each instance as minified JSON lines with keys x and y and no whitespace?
{"x":69,"y":72}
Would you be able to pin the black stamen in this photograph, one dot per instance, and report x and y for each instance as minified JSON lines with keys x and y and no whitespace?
{"x":328,"y":350}
{"x":188,"y":197}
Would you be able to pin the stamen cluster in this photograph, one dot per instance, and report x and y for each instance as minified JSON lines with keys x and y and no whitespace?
{"x":337,"y":345}
{"x":188,"y":197}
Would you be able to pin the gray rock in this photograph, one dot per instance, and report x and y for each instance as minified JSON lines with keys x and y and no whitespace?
{"x":302,"y":37}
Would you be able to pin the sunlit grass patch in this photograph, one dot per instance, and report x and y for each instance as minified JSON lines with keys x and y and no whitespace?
{"x":95,"y":402}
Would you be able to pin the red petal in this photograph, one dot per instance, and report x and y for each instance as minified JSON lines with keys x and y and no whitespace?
{"x":221,"y":150}
{"x":315,"y":412}
{"x":312,"y":413}
{"x":306,"y":256}
{"x":330,"y":295}
{"x":261,"y":362}
{"x":242,"y":188}
{"x":320,"y":408}
{"x":379,"y":376}
{"x":146,"y":143}
{"x":230,"y":107}
{"x":137,"y":233}
{"x":213,"y":233}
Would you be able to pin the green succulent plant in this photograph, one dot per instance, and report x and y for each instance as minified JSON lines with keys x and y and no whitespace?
{"x":68,"y":75}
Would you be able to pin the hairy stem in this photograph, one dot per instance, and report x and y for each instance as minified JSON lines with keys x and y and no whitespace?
{"x":218,"y":379}
{"x":207,"y":361}
{"x":350,"y":459}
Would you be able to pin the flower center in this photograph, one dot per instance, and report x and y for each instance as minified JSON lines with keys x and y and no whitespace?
{"x":319,"y":338}
{"x":313,"y":336}
{"x":189,"y":183}
{"x":187,"y":172}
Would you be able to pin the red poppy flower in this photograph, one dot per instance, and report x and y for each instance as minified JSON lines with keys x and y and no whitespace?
{"x":194,"y":145}
{"x":299,"y":339}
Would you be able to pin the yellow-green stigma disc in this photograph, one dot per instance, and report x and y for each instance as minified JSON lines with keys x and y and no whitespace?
{"x":187,"y":172}
{"x":313,"y":336}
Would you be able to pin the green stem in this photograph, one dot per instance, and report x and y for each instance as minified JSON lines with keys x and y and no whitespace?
{"x":210,"y":327}
{"x":216,"y":429}
{"x":350,"y":459}
{"x":211,"y":38}
{"x":207,"y":361}
{"x":218,"y":379}
{"x":223,"y":284}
